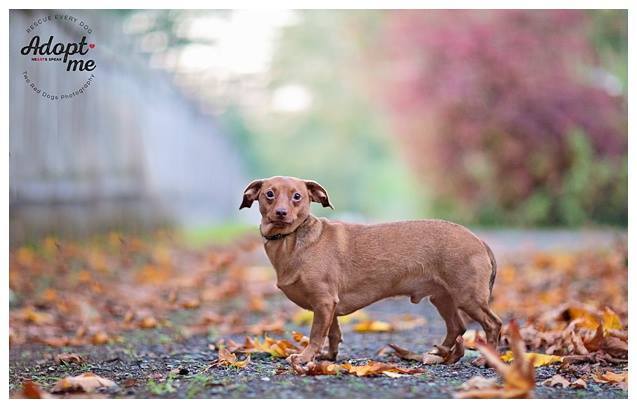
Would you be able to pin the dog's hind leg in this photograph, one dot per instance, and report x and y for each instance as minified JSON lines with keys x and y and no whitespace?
{"x":449,"y":311}
{"x":489,"y":321}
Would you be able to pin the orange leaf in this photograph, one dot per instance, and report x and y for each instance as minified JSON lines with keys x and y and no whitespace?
{"x":87,"y":382}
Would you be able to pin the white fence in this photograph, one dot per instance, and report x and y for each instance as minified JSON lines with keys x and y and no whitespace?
{"x":132,"y":152}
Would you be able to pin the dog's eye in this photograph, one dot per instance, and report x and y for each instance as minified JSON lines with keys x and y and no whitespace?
{"x":296,"y":197}
{"x":269,"y":194}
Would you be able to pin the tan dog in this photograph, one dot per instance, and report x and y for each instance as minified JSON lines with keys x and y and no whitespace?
{"x":335,"y":268}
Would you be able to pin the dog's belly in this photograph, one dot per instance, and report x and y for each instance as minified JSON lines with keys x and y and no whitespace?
{"x":353,"y":300}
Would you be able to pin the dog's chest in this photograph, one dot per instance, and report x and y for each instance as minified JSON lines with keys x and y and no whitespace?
{"x":297,"y":293}
{"x":290,"y":282}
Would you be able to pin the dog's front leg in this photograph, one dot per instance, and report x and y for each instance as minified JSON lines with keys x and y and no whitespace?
{"x":324,"y":312}
{"x":334,"y":339}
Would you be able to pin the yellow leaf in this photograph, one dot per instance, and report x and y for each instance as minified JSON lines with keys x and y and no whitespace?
{"x":610,"y":320}
{"x":373,"y":326}
{"x":303,"y":317}
{"x":539,"y":359}
{"x":228,"y":358}
{"x":357,"y":316}
{"x":585,"y":318}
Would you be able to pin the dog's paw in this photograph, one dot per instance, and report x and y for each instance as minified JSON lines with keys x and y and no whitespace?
{"x":431,"y":359}
{"x":297,"y":361}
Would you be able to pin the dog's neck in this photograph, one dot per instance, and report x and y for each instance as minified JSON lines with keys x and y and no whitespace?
{"x":283,"y":252}
{"x":276,"y":237}
{"x":303,"y":235}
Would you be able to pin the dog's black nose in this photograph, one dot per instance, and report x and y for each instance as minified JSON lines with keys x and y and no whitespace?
{"x":281,"y":212}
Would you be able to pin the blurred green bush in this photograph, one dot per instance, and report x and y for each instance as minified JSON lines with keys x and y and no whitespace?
{"x":483,"y":117}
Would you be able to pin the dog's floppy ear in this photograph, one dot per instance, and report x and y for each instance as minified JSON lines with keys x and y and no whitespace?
{"x":251,"y":193}
{"x":318,"y":193}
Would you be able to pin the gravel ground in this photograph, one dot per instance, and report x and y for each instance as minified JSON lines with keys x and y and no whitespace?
{"x":141,"y":364}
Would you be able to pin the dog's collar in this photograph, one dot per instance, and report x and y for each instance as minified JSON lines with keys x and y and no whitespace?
{"x":277,"y":237}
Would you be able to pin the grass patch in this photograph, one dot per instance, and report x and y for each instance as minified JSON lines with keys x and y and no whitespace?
{"x":216,"y":234}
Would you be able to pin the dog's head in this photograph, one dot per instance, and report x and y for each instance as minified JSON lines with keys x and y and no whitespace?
{"x":284,"y":202}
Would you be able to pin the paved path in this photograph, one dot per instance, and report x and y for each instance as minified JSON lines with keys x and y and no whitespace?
{"x":140,"y":365}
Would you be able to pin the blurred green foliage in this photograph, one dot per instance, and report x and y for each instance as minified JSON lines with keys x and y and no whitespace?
{"x":341,"y":141}
{"x":344,"y":139}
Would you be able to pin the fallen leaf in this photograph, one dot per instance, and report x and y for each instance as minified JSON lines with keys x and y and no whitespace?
{"x":357,"y":316}
{"x":303,"y":317}
{"x":408,"y":322}
{"x":64,"y":358}
{"x":585,"y":318}
{"x":610,"y":320}
{"x":276,"y":348}
{"x":439,"y":356}
{"x":539,"y":359}
{"x":372,"y":368}
{"x":192,"y":303}
{"x":32,"y":390}
{"x":87,"y":382}
{"x":322,"y":368}
{"x":557,"y":381}
{"x":405,"y":354}
{"x":518,"y":377}
{"x":478,"y":383}
{"x":148,"y":322}
{"x":369,"y":326}
{"x":611,"y":377}
{"x":230,"y":359}
{"x":300,"y":338}
{"x":30,"y":315}
{"x":470,"y":337}
{"x":100,"y":338}
{"x":615,"y":347}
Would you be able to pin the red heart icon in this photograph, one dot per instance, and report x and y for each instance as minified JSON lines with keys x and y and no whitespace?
{"x":91,"y":45}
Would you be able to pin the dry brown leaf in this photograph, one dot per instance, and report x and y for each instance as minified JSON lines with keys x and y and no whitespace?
{"x":372,"y":368}
{"x":276,"y":348}
{"x":64,"y":358}
{"x":611,"y":377}
{"x":478,"y":383}
{"x":191,"y":303}
{"x":519,"y":376}
{"x":406,"y":354}
{"x":148,"y":322}
{"x":470,"y":337}
{"x":230,"y":359}
{"x":615,"y":347}
{"x":321,"y":368}
{"x":100,"y":338}
{"x":557,"y":381}
{"x":87,"y":382}
{"x":441,"y":355}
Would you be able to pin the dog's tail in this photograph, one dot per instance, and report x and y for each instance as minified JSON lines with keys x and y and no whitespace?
{"x":494,"y":268}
